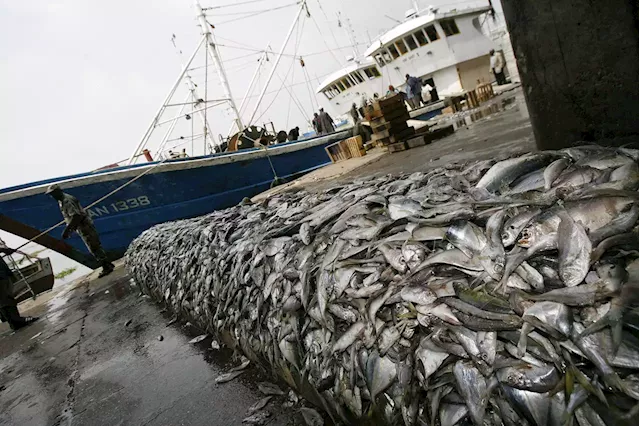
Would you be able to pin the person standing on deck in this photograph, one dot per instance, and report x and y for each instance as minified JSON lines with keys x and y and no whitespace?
{"x":497,"y":67}
{"x":78,"y":220}
{"x":355,"y":115}
{"x":294,"y":134}
{"x":414,"y":89}
{"x":8,"y":307}
{"x":426,"y":92}
{"x":326,"y":122}
{"x":316,"y":123}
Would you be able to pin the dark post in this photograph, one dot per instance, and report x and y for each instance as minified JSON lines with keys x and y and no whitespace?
{"x":578,"y":62}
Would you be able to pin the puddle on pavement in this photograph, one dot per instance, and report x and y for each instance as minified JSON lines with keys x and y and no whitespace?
{"x":466,"y":118}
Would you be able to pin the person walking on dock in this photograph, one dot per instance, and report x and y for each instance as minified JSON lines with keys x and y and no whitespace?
{"x":497,"y":67}
{"x":326,"y":122}
{"x":8,"y":307}
{"x":78,"y":220}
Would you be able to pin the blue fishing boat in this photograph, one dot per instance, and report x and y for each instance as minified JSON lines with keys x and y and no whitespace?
{"x":162,"y":191}
{"x":125,"y":200}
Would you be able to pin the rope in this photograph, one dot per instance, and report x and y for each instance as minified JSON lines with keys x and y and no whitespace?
{"x":95,"y":202}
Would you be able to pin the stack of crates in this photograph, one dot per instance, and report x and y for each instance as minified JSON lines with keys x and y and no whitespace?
{"x":388,"y":120}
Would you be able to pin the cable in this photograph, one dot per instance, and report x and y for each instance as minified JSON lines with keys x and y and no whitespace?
{"x":231,"y":4}
{"x":327,"y":18}
{"x":258,"y":13}
{"x":325,"y":42}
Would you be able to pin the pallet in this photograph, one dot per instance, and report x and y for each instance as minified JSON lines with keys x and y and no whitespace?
{"x":416,"y":142}
{"x":400,"y":114}
{"x":395,"y":126}
{"x":439,"y":133}
{"x":396,"y":147}
{"x":393,"y":138}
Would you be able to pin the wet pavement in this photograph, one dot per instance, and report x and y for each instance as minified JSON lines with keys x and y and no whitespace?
{"x":499,"y":127}
{"x":79,"y":364}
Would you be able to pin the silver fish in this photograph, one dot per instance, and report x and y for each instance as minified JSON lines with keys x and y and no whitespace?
{"x":472,"y":386}
{"x":553,"y":170}
{"x":505,"y":172}
{"x":574,"y":251}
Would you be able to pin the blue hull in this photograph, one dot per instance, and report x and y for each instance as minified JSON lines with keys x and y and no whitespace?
{"x":176,"y":189}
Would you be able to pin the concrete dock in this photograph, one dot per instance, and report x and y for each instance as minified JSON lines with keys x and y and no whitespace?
{"x":95,"y":357}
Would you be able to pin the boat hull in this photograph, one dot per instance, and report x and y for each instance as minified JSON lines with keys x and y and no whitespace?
{"x":176,"y":189}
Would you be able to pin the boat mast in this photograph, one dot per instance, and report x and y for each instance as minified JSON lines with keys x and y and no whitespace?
{"x":303,"y":6}
{"x":154,"y":122}
{"x":263,"y":57}
{"x":215,"y":57}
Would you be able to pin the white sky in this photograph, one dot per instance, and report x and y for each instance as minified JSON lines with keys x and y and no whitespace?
{"x":80,"y":80}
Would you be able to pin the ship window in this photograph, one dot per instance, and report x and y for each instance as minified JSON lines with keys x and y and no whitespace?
{"x":346,"y":83}
{"x":341,"y":86}
{"x":421,"y":38}
{"x":357,"y":77}
{"x":402,"y":48}
{"x":386,"y":56}
{"x":432,"y":33}
{"x":327,"y":94}
{"x":372,"y":72}
{"x":336,"y":88}
{"x":411,"y":42}
{"x":393,"y":51}
{"x":449,"y":27}
{"x":380,"y":60}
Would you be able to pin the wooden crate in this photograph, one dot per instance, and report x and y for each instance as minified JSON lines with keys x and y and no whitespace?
{"x":354,"y":146}
{"x":396,"y":147}
{"x":484,"y":92}
{"x":337,"y":151}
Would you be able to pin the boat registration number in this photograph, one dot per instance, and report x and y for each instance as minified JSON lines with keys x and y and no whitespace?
{"x":119,"y":206}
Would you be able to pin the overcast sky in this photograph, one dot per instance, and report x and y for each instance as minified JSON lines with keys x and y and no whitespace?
{"x":82,"y":79}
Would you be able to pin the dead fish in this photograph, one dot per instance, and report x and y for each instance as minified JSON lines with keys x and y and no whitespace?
{"x":259,"y":418}
{"x":259,"y":405}
{"x":227,"y":377}
{"x":311,"y":417}
{"x":574,"y":251}
{"x":269,"y":389}
{"x":198,"y":339}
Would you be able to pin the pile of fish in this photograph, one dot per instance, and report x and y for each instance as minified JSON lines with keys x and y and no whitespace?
{"x":499,"y":292}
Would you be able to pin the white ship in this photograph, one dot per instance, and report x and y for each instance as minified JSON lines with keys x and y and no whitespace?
{"x":449,"y":50}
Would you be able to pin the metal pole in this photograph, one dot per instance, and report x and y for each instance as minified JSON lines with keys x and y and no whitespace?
{"x":250,"y":87}
{"x":173,"y":124}
{"x":213,"y":51}
{"x":202,"y":112}
{"x":275,"y":65}
{"x":144,"y":139}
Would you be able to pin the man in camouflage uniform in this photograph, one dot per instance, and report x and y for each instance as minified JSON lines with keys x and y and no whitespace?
{"x":78,"y":220}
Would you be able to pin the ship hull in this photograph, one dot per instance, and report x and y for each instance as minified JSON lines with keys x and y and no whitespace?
{"x":173,"y":190}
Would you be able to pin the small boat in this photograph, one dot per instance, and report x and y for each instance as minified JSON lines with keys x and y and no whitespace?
{"x":32,"y":280}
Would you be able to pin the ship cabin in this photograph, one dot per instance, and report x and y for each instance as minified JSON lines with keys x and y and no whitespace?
{"x":447,"y":50}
